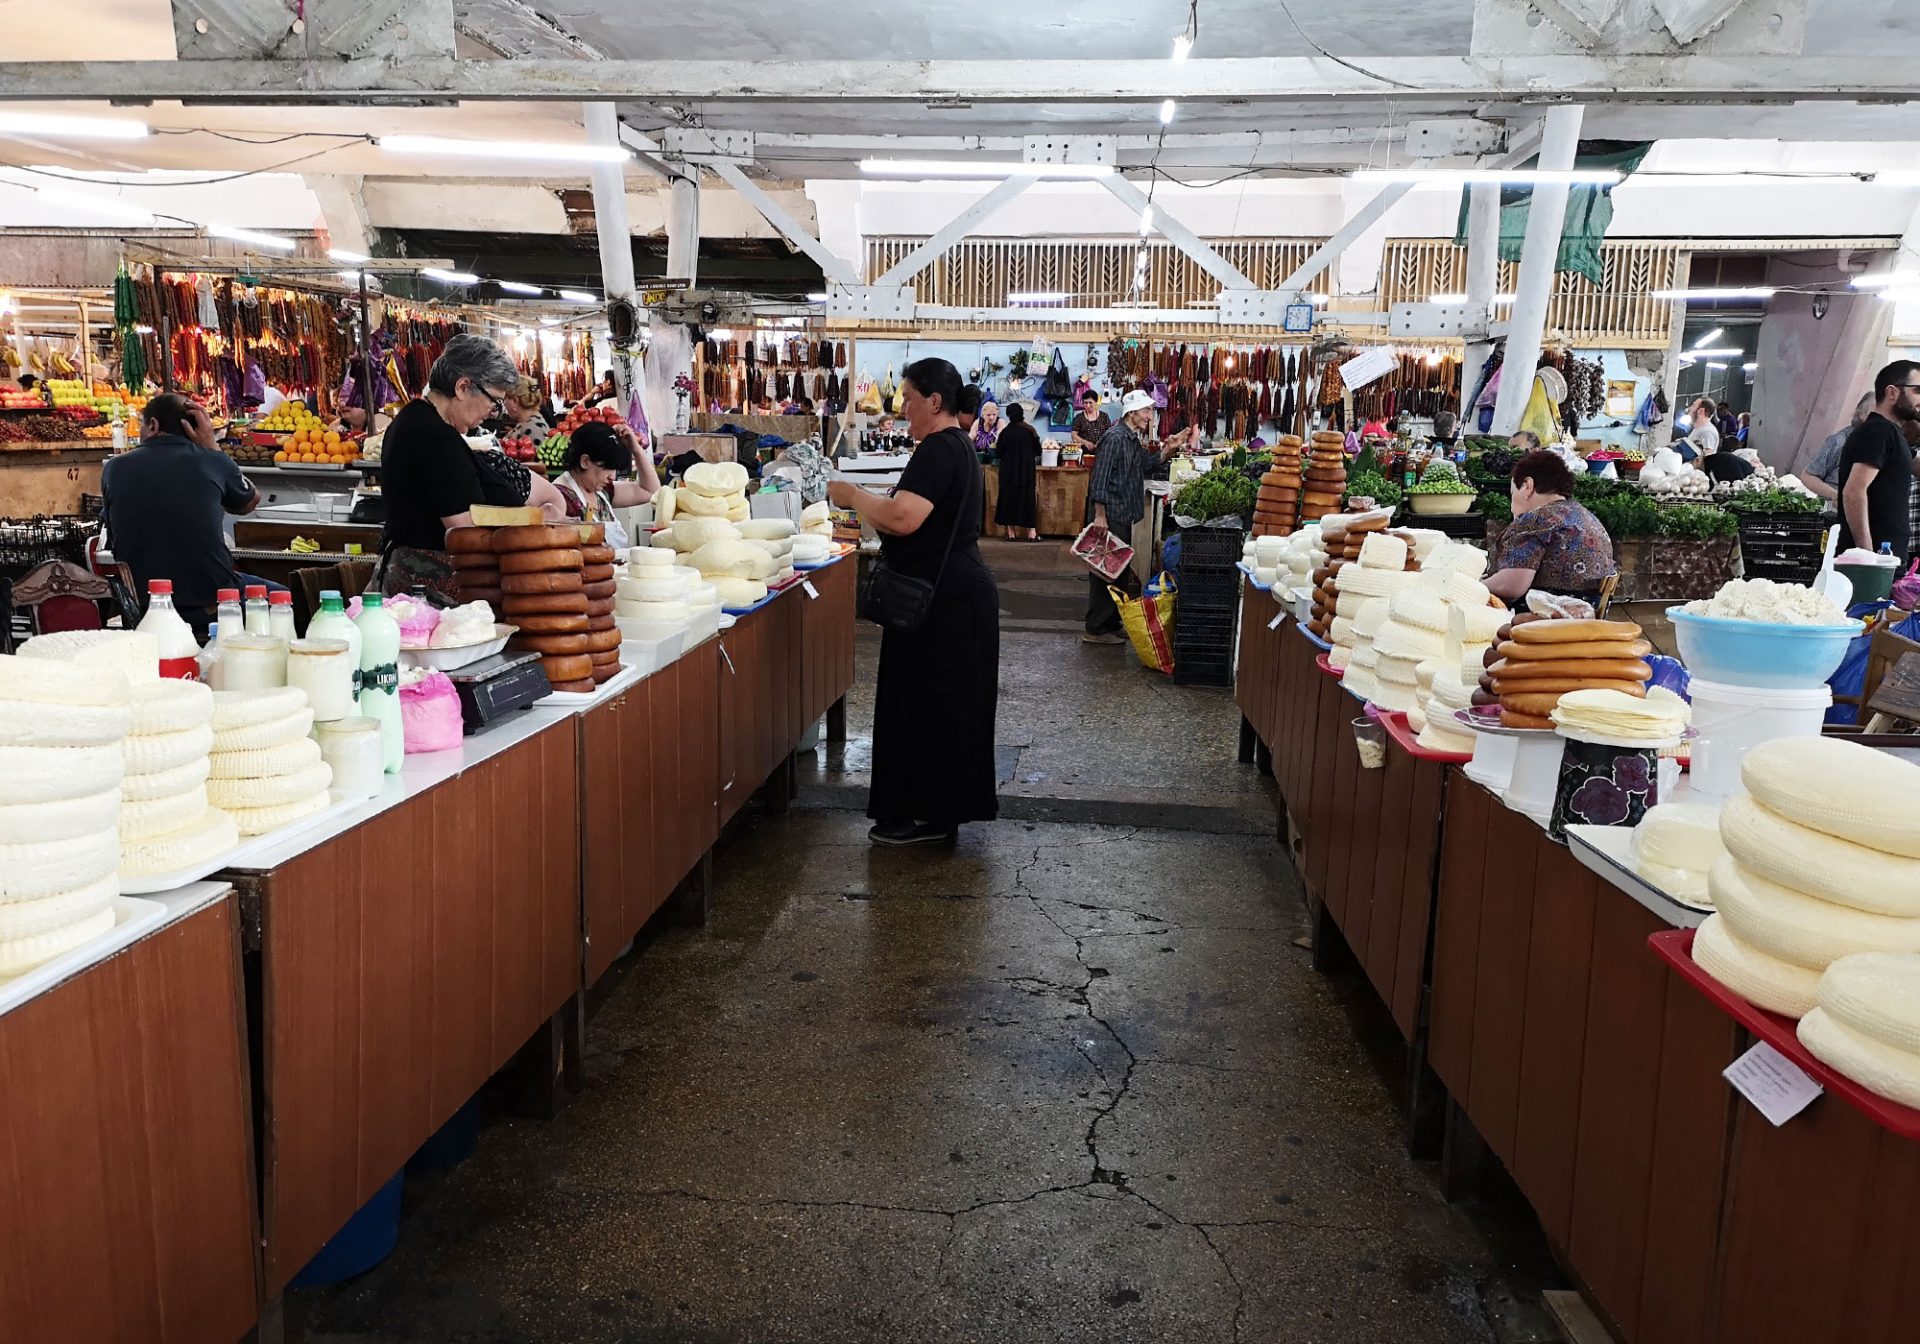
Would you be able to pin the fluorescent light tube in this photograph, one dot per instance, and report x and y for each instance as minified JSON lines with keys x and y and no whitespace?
{"x":1719,"y":352}
{"x":579,"y":296}
{"x":549,"y":321}
{"x":1709,"y":338}
{"x":1714,"y":365}
{"x":980,"y":168}
{"x":517,"y":287}
{"x":1749,"y":368}
{"x":1166,"y":112}
{"x":1146,"y":221}
{"x":1038,"y":298}
{"x":1462,"y":298}
{"x":450,"y":277}
{"x":350,"y":258}
{"x":1887,"y":280}
{"x":538,"y":150}
{"x":816,"y":298}
{"x":1755,"y":292}
{"x":71,"y":128}
{"x":1182,"y":46}
{"x":1516,"y":177}
{"x":271,"y":240}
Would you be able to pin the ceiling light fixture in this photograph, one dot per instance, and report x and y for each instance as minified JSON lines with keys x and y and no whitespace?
{"x":1038,"y":298}
{"x":1710,"y":295}
{"x":80,"y":200}
{"x":1709,"y":338}
{"x":816,"y":298}
{"x":1182,"y":46}
{"x":1516,"y":177}
{"x":350,"y":258}
{"x":70,"y":128}
{"x":1146,"y":220}
{"x":549,"y":151}
{"x":1715,"y":365}
{"x":1719,"y":352}
{"x":579,"y":296}
{"x":549,"y":321}
{"x":519,"y":287}
{"x":1462,"y":298}
{"x":450,"y":277}
{"x":268,"y":240}
{"x":1886,"y":280}
{"x":980,"y":168}
{"x":1749,"y":368}
{"x":1166,"y":112}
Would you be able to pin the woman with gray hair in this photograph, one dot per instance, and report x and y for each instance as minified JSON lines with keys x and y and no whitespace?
{"x":430,"y":481}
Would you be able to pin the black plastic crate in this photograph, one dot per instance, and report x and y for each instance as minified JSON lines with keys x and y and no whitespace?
{"x":1211,"y":545}
{"x":1800,"y":571}
{"x":1202,"y":669}
{"x":1470,"y":527}
{"x":1209,"y":600}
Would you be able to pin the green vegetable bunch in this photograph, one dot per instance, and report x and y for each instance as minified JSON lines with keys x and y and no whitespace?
{"x":1773,"y":500}
{"x":1373,"y":485}
{"x":1217,"y":494}
{"x":1438,"y":483}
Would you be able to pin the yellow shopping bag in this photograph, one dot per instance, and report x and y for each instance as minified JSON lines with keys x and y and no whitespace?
{"x":1149,"y":622}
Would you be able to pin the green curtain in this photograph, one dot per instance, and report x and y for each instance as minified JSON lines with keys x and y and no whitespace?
{"x":1589,"y":210}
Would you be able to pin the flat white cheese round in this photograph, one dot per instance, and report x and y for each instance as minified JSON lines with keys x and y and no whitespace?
{"x":1817,"y":863}
{"x":1878,"y":995}
{"x":161,"y":816}
{"x":30,"y":919}
{"x":50,"y":774}
{"x":170,"y":705}
{"x":266,"y":761}
{"x":1839,"y":787}
{"x":261,"y":820}
{"x":209,"y":838}
{"x":1411,"y":642}
{"x":244,"y":709}
{"x":42,"y":682}
{"x":133,"y":653}
{"x":1802,"y":929}
{"x":1380,"y":551}
{"x":650,"y":589}
{"x":1423,"y":610}
{"x":232,"y":795}
{"x":157,"y":753}
{"x":1680,"y":835}
{"x":1476,"y":625}
{"x":1764,"y":981}
{"x":166,"y":783}
{"x":25,"y":823}
{"x":23,"y":954}
{"x":272,"y":733}
{"x":1875,"y":1065}
{"x":48,"y":867}
{"x":650,"y":557}
{"x":26,"y":724}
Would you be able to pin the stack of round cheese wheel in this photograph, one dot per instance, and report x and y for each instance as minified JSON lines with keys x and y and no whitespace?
{"x":1537,"y":661}
{"x":1326,"y":593}
{"x":167,"y":820}
{"x":1364,"y":574}
{"x":714,"y":490}
{"x":265,"y":771}
{"x":653,"y":603}
{"x":1822,"y":862}
{"x":1276,"y":511}
{"x":557,"y":586}
{"x":61,"y":727}
{"x":476,"y":569}
{"x":1866,"y":1023}
{"x":1325,"y":482}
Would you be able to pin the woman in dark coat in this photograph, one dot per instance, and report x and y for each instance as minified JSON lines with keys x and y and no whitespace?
{"x":1019,"y":507}
{"x":938,"y":687}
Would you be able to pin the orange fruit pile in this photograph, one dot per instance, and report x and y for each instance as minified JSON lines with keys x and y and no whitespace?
{"x":316,"y":445}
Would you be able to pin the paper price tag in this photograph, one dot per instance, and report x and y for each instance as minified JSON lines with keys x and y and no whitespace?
{"x":806,"y":586}
{"x":1274,"y":624}
{"x":1778,"y":1088}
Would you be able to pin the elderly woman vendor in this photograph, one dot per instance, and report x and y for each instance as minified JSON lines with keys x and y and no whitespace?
{"x":1553,"y":544}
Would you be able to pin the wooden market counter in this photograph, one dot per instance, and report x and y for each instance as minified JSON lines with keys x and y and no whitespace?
{"x":1061,"y":493}
{"x":1572,"y":1053}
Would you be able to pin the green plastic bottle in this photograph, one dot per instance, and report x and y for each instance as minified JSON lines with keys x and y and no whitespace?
{"x":380,"y":678}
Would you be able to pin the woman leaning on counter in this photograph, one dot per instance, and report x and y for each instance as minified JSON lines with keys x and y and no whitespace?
{"x":938,"y":685}
{"x":1554,"y":544}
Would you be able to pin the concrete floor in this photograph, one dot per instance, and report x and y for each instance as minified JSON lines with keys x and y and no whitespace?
{"x":1071,"y":1082}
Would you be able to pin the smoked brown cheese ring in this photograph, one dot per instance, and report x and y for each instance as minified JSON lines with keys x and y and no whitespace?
{"x":491,"y":596}
{"x":596,"y":573}
{"x":1563,"y":685}
{"x":585,"y":686}
{"x":552,"y":581}
{"x":1539,"y":704}
{"x":603,"y":641}
{"x":537,"y":537}
{"x":1588,"y":648}
{"x":569,"y":667}
{"x":484,"y":561}
{"x":599,"y":606}
{"x":469,"y":541}
{"x":550,"y":623}
{"x":1512,"y":719}
{"x":595,"y":623}
{"x":575,"y":642}
{"x":597,"y":555}
{"x":539,"y":562}
{"x":1571,"y":632}
{"x":604,"y":673}
{"x":542,"y":604}
{"x":596,"y":591}
{"x":589,"y":534}
{"x":1579,"y":669}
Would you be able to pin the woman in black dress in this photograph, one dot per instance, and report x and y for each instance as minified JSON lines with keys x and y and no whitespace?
{"x":1019,"y":506}
{"x":935,"y":699}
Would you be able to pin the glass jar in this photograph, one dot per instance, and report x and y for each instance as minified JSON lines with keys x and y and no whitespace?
{"x":324,"y":669}
{"x":251,"y":663}
{"x":353,"y":747}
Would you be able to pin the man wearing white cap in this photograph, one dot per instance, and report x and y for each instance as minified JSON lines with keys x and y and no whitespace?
{"x":1116,"y":498}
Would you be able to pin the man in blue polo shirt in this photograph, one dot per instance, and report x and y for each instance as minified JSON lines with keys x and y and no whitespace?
{"x":166,"y":502}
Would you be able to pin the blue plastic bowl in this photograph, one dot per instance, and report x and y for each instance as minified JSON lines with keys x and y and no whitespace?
{"x":1760,"y":653}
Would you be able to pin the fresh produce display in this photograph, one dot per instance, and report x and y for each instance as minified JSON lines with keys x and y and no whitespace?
{"x":67,"y":426}
{"x":311,"y":441}
{"x":520,"y":448}
{"x":1761,"y":497}
{"x":1369,"y":483}
{"x":22,"y":401}
{"x":1216,"y":494}
{"x":73,"y":393}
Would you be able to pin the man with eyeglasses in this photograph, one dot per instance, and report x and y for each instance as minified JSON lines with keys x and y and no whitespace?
{"x":1876,"y":466}
{"x":430,"y":481}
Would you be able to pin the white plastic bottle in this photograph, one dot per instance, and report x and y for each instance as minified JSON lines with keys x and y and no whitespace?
{"x":229,"y":619}
{"x":179,"y":650}
{"x":258,"y":622}
{"x":332,"y":622}
{"x":280,"y":622}
{"x":380,"y":677}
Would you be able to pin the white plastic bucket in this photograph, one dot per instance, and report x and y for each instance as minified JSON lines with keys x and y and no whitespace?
{"x":1536,"y":775}
{"x":1733,"y":720}
{"x":1049,"y":457}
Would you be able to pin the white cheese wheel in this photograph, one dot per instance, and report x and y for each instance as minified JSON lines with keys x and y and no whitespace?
{"x":665,"y":504}
{"x":739,"y":593}
{"x":768,"y":529}
{"x":1838,"y":787}
{"x":1819,"y":864}
{"x":51,"y":774}
{"x":25,"y":823}
{"x":1456,"y":588}
{"x":737,"y":510}
{"x":1875,"y":1065}
{"x":48,"y":867}
{"x":162,"y":816}
{"x":264,"y":762}
{"x":1362,"y":682}
{"x":651,"y":611}
{"x":1340,"y":657}
{"x":1365,"y":655}
{"x":1400,"y":671}
{"x":1425,"y":671}
{"x":732,"y":560}
{"x":1340,"y":632}
{"x":244,"y":709}
{"x":170,"y":705}
{"x":133,"y":653}
{"x":714,"y":478}
{"x":1372,"y":582}
{"x":1476,"y":625}
{"x":157,"y":753}
{"x":1349,"y":604}
{"x":30,"y":919}
{"x":1878,"y":995}
{"x":1799,"y":928}
{"x":1458,"y":556}
{"x":1380,"y":551}
{"x":1412,"y":642}
{"x":1392,"y":695}
{"x":1370,"y":618}
{"x":1422,"y":609}
{"x":1450,"y":691}
{"x":1764,"y":981}
{"x":1687,"y":884}
{"x":650,"y":557}
{"x":260,"y":820}
{"x":1680,"y":835}
{"x":166,"y":783}
{"x":1417,"y":716}
{"x":779,"y":549}
{"x":208,"y":838}
{"x":38,"y":682}
{"x":25,"y":724}
{"x":23,"y":954}
{"x":269,"y":734}
{"x":692,"y":505}
{"x":234,"y":795}
{"x":663,"y":589}
{"x":665,"y":540}
{"x":1439,"y":736}
{"x":633,"y":628}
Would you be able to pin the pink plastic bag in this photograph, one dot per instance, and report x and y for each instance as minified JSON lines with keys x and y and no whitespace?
{"x":417,"y":620}
{"x":430,"y":714}
{"x":1906,"y":591}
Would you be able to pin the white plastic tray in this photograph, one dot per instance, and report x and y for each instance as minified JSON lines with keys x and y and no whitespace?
{"x":252,"y":845}
{"x":1607,"y":851}
{"x":131,"y":919}
{"x":452,"y":660}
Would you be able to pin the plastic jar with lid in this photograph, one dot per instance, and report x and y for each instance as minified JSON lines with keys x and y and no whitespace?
{"x":353,"y":747}
{"x":251,"y":663}
{"x":324,"y":669}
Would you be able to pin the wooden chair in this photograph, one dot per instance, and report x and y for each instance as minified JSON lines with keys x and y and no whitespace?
{"x":60,"y":595}
{"x":347,"y":578}
{"x":1605,"y":600}
{"x":1887,"y":652}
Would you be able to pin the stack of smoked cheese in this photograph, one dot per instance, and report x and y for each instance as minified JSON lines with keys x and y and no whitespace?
{"x":1536,"y":661}
{"x":1326,"y":475}
{"x":1277,"y":511}
{"x":554,"y":582}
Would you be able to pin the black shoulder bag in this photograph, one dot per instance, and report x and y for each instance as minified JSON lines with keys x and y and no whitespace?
{"x":899,"y":602}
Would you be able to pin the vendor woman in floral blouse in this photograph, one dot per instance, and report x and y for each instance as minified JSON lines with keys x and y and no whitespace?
{"x":1553,"y":544}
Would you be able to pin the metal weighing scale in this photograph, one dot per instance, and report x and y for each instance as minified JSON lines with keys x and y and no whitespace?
{"x":498,"y":687}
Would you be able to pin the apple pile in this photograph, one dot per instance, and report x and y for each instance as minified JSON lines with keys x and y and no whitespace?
{"x":582,"y":415}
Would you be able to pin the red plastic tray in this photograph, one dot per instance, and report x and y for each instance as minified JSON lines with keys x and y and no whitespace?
{"x":1402,"y":732}
{"x":1675,"y":947}
{"x":1321,"y":662}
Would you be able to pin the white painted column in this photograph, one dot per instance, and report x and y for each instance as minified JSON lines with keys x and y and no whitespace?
{"x":609,"y":181}
{"x":683,"y":228}
{"x":1546,"y":215}
{"x":1483,"y":276}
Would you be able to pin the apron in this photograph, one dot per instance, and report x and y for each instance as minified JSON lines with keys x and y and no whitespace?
{"x":597,"y":510}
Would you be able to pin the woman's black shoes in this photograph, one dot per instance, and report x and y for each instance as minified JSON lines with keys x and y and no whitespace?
{"x":913,"y":833}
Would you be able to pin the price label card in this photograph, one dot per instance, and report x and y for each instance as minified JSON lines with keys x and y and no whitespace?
{"x":806,"y":586}
{"x":1274,"y":624}
{"x":1778,"y":1088}
{"x":1366,"y":367}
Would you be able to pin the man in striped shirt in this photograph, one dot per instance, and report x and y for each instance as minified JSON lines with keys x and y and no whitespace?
{"x":1116,"y":499}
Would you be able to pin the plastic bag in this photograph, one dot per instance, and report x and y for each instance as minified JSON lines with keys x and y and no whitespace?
{"x":417,"y":620}
{"x":1850,"y":678}
{"x":1059,"y":384}
{"x":430,"y":714}
{"x":1149,"y":622}
{"x":1906,"y":590}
